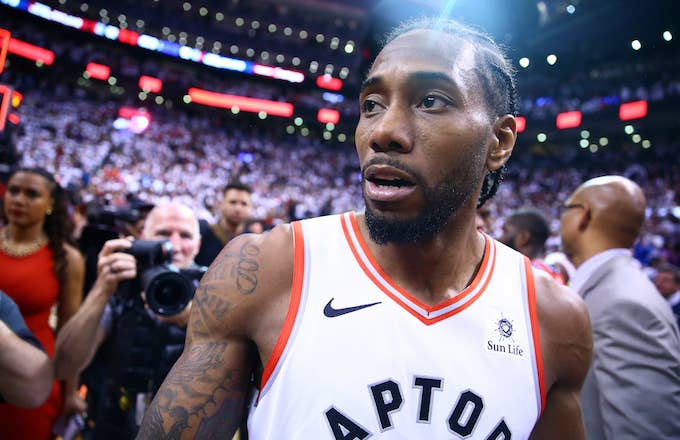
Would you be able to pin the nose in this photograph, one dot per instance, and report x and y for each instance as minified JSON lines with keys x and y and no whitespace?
{"x":392,"y":130}
{"x":176,"y":242}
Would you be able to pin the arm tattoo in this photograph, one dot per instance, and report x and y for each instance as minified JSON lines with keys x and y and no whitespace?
{"x":198,"y":398}
{"x":204,"y":394}
{"x":246,"y":269}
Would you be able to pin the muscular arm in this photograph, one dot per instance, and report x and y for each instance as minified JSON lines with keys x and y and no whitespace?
{"x":25,"y":371}
{"x":567,"y":345}
{"x":204,"y":394}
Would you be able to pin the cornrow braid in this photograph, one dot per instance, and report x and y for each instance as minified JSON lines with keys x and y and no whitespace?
{"x":496,"y":74}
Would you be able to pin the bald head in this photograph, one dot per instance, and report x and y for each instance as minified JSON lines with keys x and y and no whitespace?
{"x":604,"y":213}
{"x":617,"y":207}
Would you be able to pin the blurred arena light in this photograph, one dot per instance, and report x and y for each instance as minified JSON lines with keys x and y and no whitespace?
{"x":521,"y":123}
{"x":569,"y":120}
{"x":5,"y":104}
{"x":253,"y":105}
{"x":150,"y":84}
{"x":667,"y":35}
{"x":551,"y":59}
{"x":134,"y":119}
{"x":144,"y":41}
{"x":14,"y":118}
{"x":5,"y":36}
{"x":327,"y":115}
{"x":30,"y":51}
{"x":329,"y":83}
{"x":98,"y":71}
{"x":524,"y":62}
{"x":633,"y":110}
{"x":636,"y":45}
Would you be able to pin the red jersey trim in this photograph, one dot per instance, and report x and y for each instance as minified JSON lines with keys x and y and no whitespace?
{"x":294,"y":305}
{"x":481,"y":280}
{"x":535,"y":333}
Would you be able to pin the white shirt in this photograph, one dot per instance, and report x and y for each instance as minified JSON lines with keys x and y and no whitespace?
{"x":592,"y":264}
{"x":674,"y":299}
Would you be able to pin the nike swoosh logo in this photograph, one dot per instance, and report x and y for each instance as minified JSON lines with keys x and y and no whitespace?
{"x":330,"y":312}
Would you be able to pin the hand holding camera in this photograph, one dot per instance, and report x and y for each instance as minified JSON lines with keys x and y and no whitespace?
{"x":114,"y":265}
{"x":147,"y":266}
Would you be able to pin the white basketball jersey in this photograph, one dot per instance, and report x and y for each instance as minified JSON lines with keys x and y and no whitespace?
{"x":359,"y":357}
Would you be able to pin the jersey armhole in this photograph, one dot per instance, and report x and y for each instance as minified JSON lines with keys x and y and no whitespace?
{"x":293,"y":307}
{"x":535,"y":332}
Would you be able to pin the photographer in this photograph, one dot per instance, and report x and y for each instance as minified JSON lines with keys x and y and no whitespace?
{"x":136,"y":335}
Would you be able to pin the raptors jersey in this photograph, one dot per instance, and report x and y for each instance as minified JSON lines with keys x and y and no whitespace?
{"x":360,"y":357}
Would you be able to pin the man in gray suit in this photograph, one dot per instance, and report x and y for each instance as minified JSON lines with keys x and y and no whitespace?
{"x":632,"y":390}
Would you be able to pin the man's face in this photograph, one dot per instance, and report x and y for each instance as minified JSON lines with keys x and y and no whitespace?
{"x":180,"y":227}
{"x":509,"y":235}
{"x":665,"y":283}
{"x":423,"y":136}
{"x":235,"y":206}
{"x":569,"y":224}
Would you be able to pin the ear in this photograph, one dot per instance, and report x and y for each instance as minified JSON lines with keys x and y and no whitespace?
{"x":505,"y":134}
{"x":584,"y":217}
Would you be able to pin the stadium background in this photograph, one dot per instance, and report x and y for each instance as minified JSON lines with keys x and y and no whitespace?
{"x":150,"y":100}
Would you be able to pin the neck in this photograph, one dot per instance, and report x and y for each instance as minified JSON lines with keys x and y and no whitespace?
{"x":229,"y":227}
{"x":26,"y":234}
{"x":436,"y":270}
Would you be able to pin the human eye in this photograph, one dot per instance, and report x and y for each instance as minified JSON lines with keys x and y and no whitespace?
{"x":369,"y":106}
{"x":434,"y":102}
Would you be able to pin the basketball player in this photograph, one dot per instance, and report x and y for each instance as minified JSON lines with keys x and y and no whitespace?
{"x":403,"y":322}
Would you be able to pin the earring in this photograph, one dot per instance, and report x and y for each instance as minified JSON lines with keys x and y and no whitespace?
{"x":48,"y":212}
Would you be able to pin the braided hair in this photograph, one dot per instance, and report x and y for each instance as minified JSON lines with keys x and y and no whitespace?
{"x":57,"y":225}
{"x":495,"y":72}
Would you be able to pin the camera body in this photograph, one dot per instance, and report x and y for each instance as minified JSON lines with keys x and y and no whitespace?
{"x":167,"y":288}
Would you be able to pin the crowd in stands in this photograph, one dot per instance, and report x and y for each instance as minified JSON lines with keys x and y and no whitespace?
{"x":187,"y":157}
{"x":294,"y":176}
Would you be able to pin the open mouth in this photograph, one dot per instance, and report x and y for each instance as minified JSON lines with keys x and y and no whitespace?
{"x":387,"y":184}
{"x":394,"y":182}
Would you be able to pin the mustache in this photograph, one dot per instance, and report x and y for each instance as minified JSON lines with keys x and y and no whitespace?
{"x":394,"y":163}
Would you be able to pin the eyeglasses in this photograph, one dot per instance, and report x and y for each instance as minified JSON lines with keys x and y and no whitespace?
{"x":565,"y":208}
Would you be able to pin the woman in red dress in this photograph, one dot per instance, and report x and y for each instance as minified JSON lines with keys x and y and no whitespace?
{"x":39,"y":269}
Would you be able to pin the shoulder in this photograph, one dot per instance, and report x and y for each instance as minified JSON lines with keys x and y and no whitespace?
{"x":250,"y":277}
{"x":565,"y":329}
{"x":74,"y":258}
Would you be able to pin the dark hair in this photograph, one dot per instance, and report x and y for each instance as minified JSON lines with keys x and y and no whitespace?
{"x":495,"y":72}
{"x":672,"y":269}
{"x":239,"y":186}
{"x":57,"y":225}
{"x":534,"y":222}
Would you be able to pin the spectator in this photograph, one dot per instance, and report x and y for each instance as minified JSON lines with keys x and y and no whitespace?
{"x":633,"y":388}
{"x":667,"y":281}
{"x":235,"y":211}
{"x":138,"y":345}
{"x":39,"y":269}
{"x":526,"y":231}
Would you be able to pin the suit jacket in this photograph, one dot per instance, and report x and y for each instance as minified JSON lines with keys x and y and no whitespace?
{"x":632,"y":390}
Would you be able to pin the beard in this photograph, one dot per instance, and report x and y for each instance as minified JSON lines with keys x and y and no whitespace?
{"x":441,"y":202}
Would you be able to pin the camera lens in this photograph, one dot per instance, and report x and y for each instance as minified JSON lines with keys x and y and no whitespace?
{"x":167,"y":291}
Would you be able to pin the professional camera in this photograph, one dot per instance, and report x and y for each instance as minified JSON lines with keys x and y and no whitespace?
{"x":168,"y":289}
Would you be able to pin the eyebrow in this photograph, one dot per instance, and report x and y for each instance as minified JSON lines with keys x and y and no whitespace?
{"x":423,"y":76}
